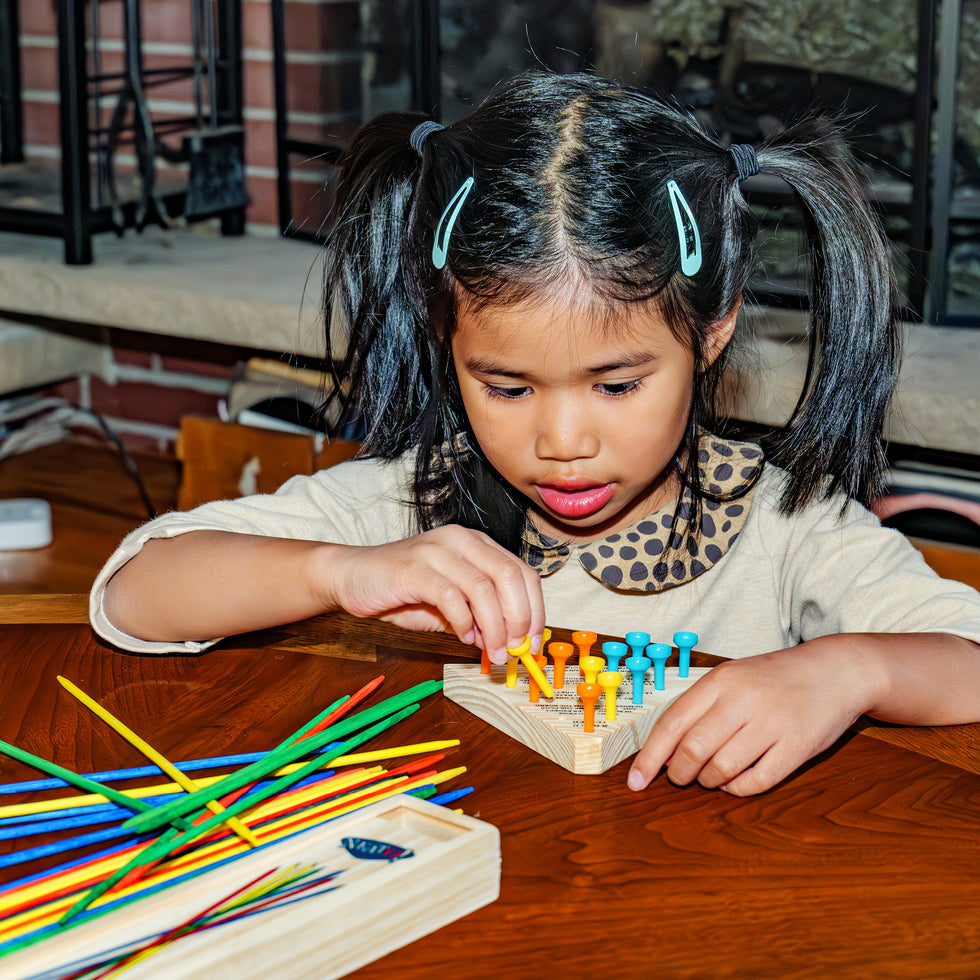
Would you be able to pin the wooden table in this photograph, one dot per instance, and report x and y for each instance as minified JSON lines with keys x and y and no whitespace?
{"x":866,"y":863}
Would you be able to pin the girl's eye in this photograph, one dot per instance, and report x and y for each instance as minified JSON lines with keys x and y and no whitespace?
{"x":495,"y":391}
{"x":618,"y":388}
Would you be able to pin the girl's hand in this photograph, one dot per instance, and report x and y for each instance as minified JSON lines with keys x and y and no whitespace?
{"x":450,"y":579}
{"x":748,"y":724}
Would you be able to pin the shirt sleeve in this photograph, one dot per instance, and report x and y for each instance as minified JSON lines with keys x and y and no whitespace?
{"x":361,"y":502}
{"x":845,"y":573}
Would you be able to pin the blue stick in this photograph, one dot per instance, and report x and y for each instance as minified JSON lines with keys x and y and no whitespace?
{"x":31,"y":785}
{"x":93,"y":837}
{"x":444,"y":799}
{"x":12,"y":828}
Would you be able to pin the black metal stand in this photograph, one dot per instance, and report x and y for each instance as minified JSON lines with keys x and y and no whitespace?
{"x":426,"y":97}
{"x":83,"y":213}
{"x":11,"y":122}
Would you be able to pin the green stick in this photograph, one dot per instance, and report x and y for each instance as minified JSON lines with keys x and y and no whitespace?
{"x":278,"y":757}
{"x":299,"y":733}
{"x":284,"y":782}
{"x":82,"y":782}
{"x":150,"y":854}
{"x":167,"y":842}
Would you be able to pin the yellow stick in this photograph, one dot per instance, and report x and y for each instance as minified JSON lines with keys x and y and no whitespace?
{"x":93,"y":799}
{"x":78,"y":878}
{"x":182,"y":779}
{"x":38,"y":917}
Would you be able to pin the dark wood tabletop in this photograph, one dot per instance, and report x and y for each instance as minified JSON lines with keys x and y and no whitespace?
{"x":865,"y":863}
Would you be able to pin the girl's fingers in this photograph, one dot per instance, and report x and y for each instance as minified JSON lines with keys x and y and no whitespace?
{"x":772,"y":768}
{"x":687,"y":736}
{"x":502,"y":592}
{"x":745,"y":749}
{"x":665,"y":738}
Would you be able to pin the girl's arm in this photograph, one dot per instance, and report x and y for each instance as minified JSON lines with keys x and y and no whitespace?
{"x":206,"y":584}
{"x":749,"y":723}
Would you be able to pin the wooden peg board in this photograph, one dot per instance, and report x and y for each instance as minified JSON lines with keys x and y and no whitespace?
{"x":555,"y":729}
{"x":376,"y":906}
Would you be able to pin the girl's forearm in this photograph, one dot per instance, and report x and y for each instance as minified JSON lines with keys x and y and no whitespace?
{"x":917,"y":678}
{"x":207,"y":584}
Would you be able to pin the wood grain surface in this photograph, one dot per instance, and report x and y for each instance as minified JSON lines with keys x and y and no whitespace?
{"x":865,"y":863}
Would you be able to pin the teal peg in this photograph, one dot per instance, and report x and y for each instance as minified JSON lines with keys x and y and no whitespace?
{"x":637,"y":666}
{"x":614,"y":652}
{"x":685,"y":643}
{"x":659,"y":653}
{"x":637,"y":642}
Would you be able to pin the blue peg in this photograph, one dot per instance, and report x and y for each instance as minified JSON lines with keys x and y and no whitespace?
{"x":685,"y":643}
{"x":637,"y":666}
{"x":637,"y":642}
{"x":614,"y":652}
{"x":659,"y":653}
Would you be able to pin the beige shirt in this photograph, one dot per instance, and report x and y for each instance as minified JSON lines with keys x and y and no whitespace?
{"x":783,"y":581}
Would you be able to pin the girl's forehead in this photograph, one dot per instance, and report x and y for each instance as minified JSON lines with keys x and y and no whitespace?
{"x":566,"y":315}
{"x":572,"y":329}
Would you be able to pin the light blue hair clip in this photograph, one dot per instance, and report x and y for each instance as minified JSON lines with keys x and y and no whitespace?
{"x":440,"y":244}
{"x":688,"y":236}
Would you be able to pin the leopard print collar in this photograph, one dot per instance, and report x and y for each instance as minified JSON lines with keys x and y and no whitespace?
{"x":653,"y":555}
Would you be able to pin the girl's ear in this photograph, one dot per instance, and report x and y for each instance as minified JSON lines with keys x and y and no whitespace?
{"x":721,"y":333}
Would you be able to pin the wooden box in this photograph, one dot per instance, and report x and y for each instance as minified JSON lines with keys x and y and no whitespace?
{"x":445,"y":865}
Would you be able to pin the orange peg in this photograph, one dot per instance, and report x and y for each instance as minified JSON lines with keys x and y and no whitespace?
{"x":533,"y":691}
{"x":560,"y":652}
{"x":583,"y":639}
{"x":589,"y":693}
{"x":524,"y":653}
{"x":484,"y":662}
{"x":590,"y":667}
{"x":609,"y":681}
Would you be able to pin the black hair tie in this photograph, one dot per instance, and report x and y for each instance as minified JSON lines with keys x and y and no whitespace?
{"x":746,"y":162}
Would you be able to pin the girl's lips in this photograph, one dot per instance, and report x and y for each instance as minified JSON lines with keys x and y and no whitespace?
{"x":575,"y":503}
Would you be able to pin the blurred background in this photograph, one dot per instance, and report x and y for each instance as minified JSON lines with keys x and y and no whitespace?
{"x":166,"y":172}
{"x":232,"y":110}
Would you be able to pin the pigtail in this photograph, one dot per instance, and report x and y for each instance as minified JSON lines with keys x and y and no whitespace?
{"x":833,"y":440}
{"x":376,"y":287}
{"x":395,"y":310}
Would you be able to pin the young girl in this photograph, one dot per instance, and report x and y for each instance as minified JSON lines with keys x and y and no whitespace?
{"x":539,"y":301}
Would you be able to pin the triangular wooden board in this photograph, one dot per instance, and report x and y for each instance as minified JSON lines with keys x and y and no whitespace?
{"x":555,"y":729}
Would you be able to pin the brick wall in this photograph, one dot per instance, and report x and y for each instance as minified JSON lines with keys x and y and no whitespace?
{"x":159,"y":379}
{"x":324,"y":85}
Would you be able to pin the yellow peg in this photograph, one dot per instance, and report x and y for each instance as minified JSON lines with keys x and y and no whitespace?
{"x":523,"y":652}
{"x":512,"y":663}
{"x":583,"y":639}
{"x":560,"y":652}
{"x":590,"y":667}
{"x":609,"y":681}
{"x":533,"y":691}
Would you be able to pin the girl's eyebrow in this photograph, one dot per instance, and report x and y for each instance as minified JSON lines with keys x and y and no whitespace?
{"x":640,"y":358}
{"x":483,"y":365}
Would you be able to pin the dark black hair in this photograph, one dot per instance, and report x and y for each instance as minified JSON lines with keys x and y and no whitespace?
{"x":570,"y":180}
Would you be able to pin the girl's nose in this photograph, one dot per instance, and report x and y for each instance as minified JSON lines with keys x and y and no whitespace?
{"x":566,"y":436}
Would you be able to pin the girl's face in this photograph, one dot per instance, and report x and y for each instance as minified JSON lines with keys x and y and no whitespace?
{"x":583,"y":416}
